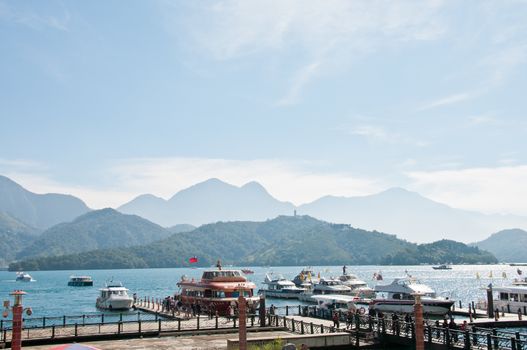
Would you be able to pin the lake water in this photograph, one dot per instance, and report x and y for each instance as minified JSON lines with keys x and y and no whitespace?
{"x":49,"y":295}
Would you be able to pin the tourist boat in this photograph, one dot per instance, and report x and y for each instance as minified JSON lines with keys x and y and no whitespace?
{"x":280,"y":287}
{"x":442,"y":267}
{"x":217,"y":290}
{"x":80,"y":281}
{"x":114,"y":297}
{"x":399,"y":297}
{"x":510,"y":298}
{"x":23,"y":277}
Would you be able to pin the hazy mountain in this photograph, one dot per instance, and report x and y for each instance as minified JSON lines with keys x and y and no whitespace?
{"x":286,"y":241}
{"x":38,"y":210}
{"x":207,"y":202}
{"x":98,"y":229}
{"x":14,"y":236}
{"x":507,"y":245}
{"x":410,"y":216}
{"x":181,"y":228}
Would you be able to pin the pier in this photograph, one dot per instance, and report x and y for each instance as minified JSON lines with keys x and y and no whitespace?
{"x":297,"y":324}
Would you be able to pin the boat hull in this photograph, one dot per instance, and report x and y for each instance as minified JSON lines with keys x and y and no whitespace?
{"x":80,"y":284}
{"x":440,"y":307}
{"x":280,"y":294}
{"x":114,"y":303}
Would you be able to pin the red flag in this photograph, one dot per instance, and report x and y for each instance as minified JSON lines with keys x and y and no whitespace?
{"x":193,"y":260}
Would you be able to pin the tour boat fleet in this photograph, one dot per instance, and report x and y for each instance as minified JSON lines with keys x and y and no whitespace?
{"x":218,"y":290}
{"x":280,"y":287}
{"x":114,"y":297}
{"x":511,"y":297}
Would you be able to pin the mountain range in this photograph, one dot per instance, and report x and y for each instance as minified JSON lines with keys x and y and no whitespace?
{"x":209,"y":201}
{"x":40,"y":211}
{"x":283,"y":241}
{"x":405,"y":213}
{"x":14,"y":236}
{"x":397,"y":211}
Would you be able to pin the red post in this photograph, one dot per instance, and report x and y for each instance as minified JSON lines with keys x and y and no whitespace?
{"x":243,"y":320}
{"x":419,"y":330}
{"x":16,"y":334}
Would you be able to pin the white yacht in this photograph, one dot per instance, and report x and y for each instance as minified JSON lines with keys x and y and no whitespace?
{"x":397,"y":297}
{"x":280,"y":287}
{"x":23,"y":277}
{"x":114,"y":297}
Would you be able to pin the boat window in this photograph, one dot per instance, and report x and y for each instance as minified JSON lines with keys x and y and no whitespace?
{"x":504,"y":296}
{"x":397,"y":296}
{"x":235,"y":294}
{"x":514,"y":297}
{"x":523,"y":297}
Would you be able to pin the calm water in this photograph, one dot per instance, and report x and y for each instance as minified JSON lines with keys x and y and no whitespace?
{"x":49,"y":295}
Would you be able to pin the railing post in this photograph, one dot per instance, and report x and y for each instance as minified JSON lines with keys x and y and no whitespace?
{"x":447,"y":338}
{"x":467,"y":339}
{"x":179,"y":324}
{"x":44,"y":322}
{"x":83,"y":320}
{"x":489,"y":341}
{"x":312,"y":329}
{"x":301,"y":327}
{"x":76,"y":330}
{"x":495,"y":335}
{"x":321,"y":329}
{"x":52,"y":331}
{"x":293,"y":325}
{"x":159,"y":326}
{"x":299,"y":312}
{"x":139,"y":326}
{"x":139,"y":315}
{"x":252,"y":321}
{"x":197,"y":321}
{"x":513,"y":343}
{"x":370,"y":323}
{"x":119,"y":327}
{"x":121,"y":317}
{"x":216,"y":321}
{"x":460,"y":304}
{"x":429,"y":333}
{"x":287,"y":310}
{"x":64,"y":321}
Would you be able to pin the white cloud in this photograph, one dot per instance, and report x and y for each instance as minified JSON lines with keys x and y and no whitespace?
{"x":327,"y":34}
{"x":448,"y":100}
{"x":491,"y":190}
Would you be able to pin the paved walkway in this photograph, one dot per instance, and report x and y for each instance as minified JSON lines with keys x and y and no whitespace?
{"x":198,"y":342}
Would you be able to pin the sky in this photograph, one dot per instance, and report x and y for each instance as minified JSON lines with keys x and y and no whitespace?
{"x":107,"y":100}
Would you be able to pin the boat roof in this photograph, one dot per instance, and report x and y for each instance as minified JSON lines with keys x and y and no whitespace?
{"x":511,"y":289}
{"x":404,"y":285}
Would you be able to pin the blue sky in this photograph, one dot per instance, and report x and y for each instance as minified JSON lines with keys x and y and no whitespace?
{"x":109,"y":99}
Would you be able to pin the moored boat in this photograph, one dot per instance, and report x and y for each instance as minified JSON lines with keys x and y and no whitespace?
{"x":80,"y":281}
{"x":218,"y":290}
{"x":114,"y":297}
{"x":280,"y":287}
{"x":399,"y":297}
{"x":511,"y":298}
